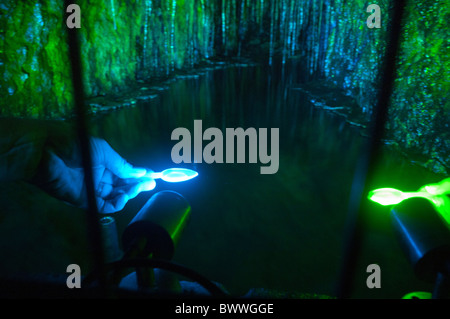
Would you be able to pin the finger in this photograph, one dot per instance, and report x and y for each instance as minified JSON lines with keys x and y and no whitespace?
{"x":114,"y":162}
{"x":149,"y":173}
{"x":133,"y":189}
{"x":112,"y":205}
{"x":104,"y":190}
{"x":129,"y":171}
{"x":131,"y":181}
{"x":119,"y":197}
{"x":105,"y":185}
{"x":148,"y":185}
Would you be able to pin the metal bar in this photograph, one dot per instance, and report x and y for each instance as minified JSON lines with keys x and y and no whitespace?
{"x":356,"y":214}
{"x":94,"y":230}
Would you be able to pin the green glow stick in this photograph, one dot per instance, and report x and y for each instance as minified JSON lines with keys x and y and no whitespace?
{"x":441,"y":188}
{"x":436,"y":193}
{"x":392,"y":196}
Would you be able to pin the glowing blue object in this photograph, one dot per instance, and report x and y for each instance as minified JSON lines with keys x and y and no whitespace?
{"x":174,"y":175}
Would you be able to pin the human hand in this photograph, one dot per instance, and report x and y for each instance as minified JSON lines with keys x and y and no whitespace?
{"x":440,"y":188}
{"x":115,"y":180}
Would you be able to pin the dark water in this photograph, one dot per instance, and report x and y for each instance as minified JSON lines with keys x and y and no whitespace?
{"x":283,"y":231}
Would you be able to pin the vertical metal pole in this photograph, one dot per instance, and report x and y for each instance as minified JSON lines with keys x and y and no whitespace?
{"x":94,"y":230}
{"x":366,"y":165}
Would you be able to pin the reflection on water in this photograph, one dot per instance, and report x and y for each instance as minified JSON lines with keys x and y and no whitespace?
{"x":282,"y":231}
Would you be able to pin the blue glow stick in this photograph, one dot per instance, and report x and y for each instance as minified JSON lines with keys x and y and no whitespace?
{"x":174,"y":175}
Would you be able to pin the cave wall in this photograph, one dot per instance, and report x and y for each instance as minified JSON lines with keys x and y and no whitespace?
{"x":128,"y":40}
{"x":121,"y":41}
{"x":33,"y":62}
{"x":419,"y":114}
{"x":419,"y":119}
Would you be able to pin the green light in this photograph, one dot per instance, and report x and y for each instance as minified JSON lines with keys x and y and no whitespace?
{"x":418,"y":295}
{"x":436,"y":193}
{"x":441,"y":188}
{"x":392,"y":196}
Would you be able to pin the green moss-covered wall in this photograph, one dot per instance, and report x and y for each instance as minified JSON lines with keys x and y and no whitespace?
{"x":108,"y":41}
{"x":128,"y":40}
{"x":35,"y":79}
{"x":355,"y":51}
{"x":419,"y":114}
{"x":121,"y":41}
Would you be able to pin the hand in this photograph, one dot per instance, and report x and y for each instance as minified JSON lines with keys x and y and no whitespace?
{"x":440,"y":188}
{"x":115,"y":180}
